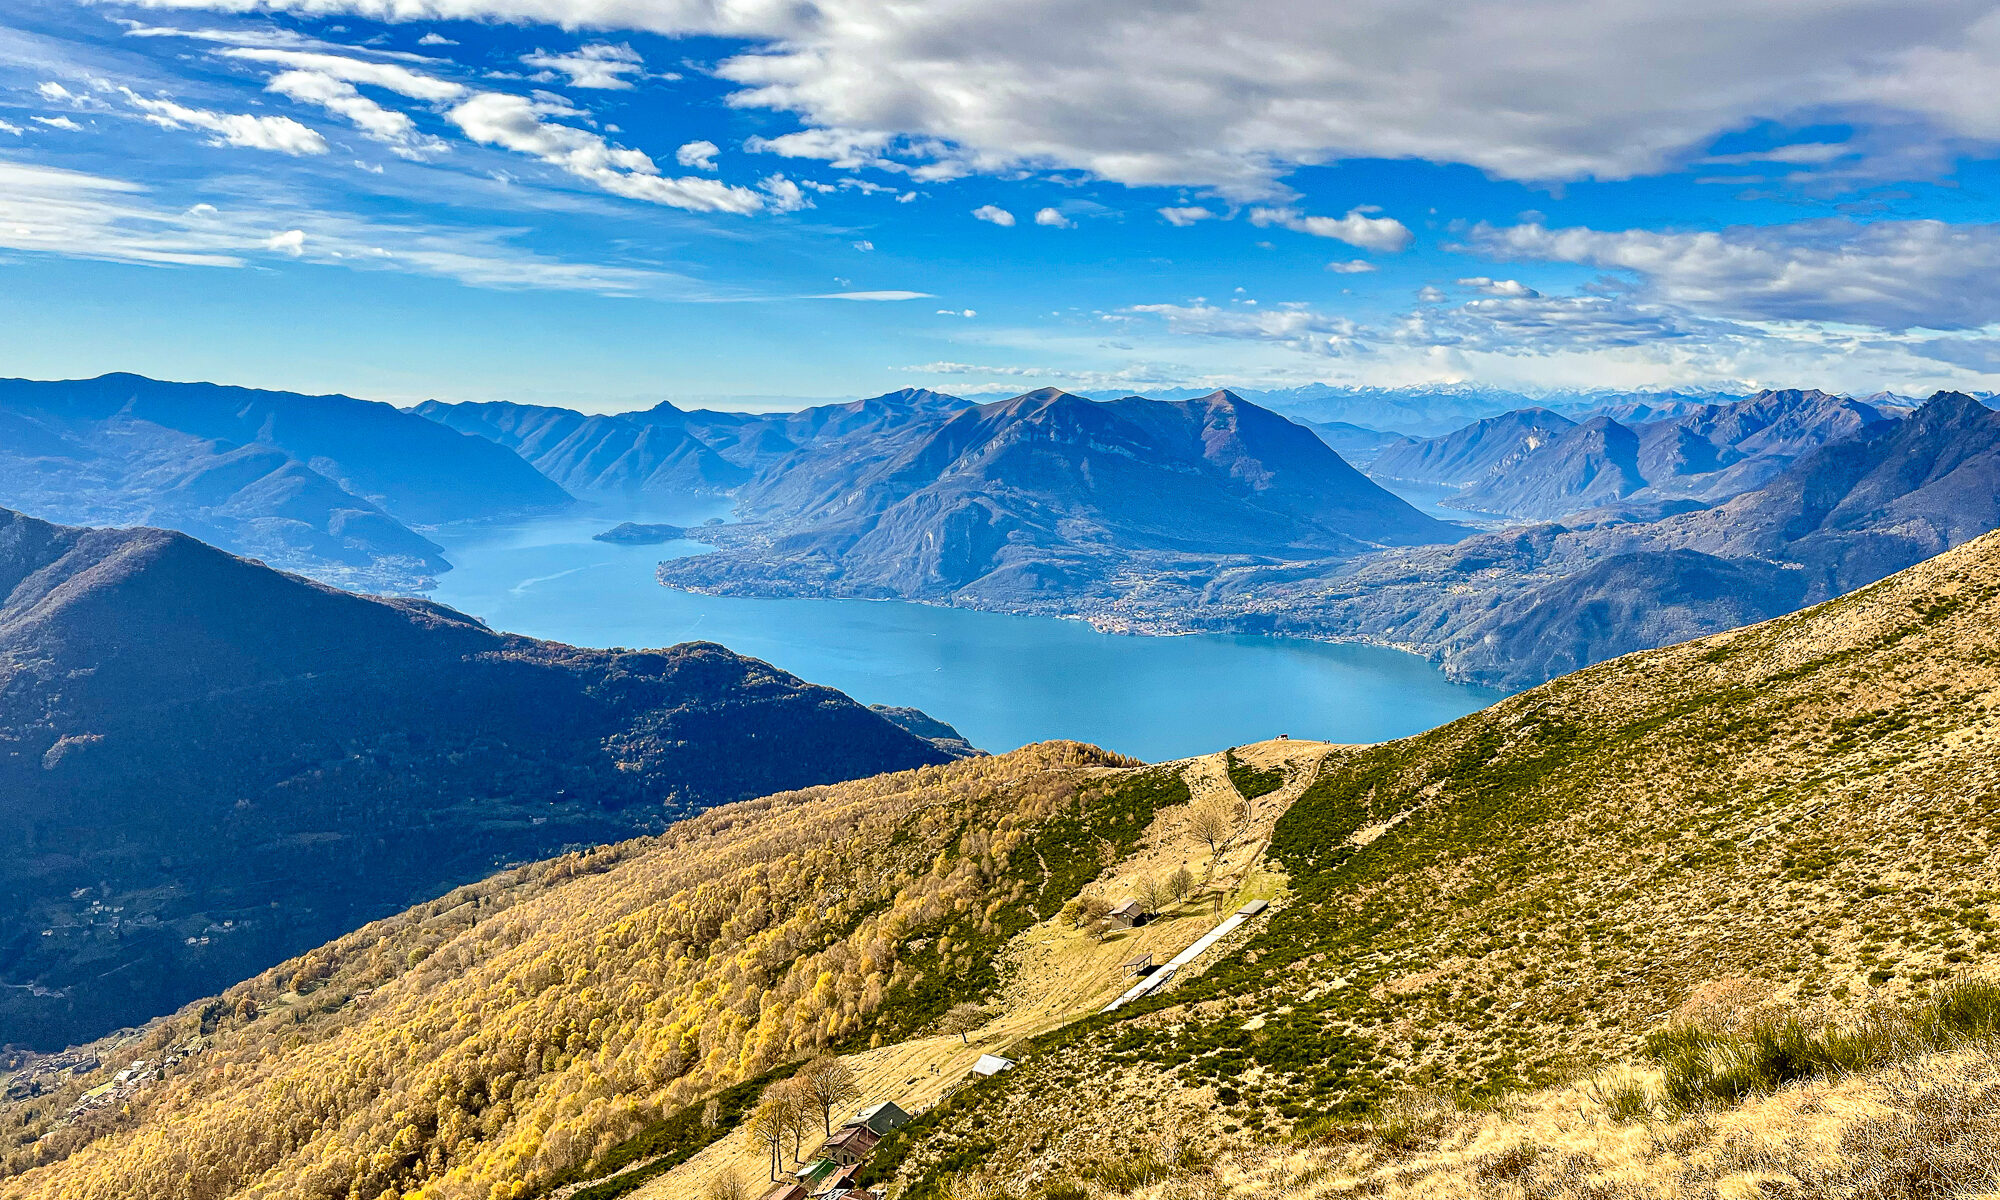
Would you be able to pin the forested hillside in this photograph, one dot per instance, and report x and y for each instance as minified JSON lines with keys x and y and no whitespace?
{"x":207,"y":766}
{"x":490,"y":1042}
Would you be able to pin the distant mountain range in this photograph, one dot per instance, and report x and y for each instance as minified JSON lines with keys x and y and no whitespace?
{"x":207,"y":765}
{"x":665,"y":451}
{"x":1539,"y":464}
{"x":331,"y":485}
{"x":1048,"y":495}
{"x":1517,"y":606}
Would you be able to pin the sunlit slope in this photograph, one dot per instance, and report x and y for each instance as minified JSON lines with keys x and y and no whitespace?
{"x":1801,"y":813}
{"x":520,"y":1027}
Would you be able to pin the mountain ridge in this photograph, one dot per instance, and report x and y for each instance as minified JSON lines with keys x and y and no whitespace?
{"x":184,"y":734}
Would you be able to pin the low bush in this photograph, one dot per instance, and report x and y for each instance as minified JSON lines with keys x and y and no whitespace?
{"x":1704,"y":1065}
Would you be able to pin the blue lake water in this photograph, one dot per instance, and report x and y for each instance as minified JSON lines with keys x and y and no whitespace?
{"x":1003,"y":681}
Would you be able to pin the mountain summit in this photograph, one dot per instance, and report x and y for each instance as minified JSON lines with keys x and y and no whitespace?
{"x":1049,"y":492}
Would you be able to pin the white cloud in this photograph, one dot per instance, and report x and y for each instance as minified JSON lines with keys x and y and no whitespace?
{"x":1053,"y":219}
{"x":515,"y":123}
{"x":1352,"y":266}
{"x":783,"y":195}
{"x":46,"y":210}
{"x":995,"y":214}
{"x":699,"y":155}
{"x":1232,"y":94}
{"x":599,"y":65}
{"x":281,"y":135}
{"x":1185,"y":215}
{"x":339,"y":97}
{"x":872,"y":296}
{"x":967,"y":313}
{"x":390,"y":76}
{"x":63,"y":123}
{"x":1505,"y":288}
{"x":435,"y":39}
{"x":10,"y":127}
{"x":1430,"y":295}
{"x":864,"y":245}
{"x":1357,"y":228}
{"x":1892,"y":275}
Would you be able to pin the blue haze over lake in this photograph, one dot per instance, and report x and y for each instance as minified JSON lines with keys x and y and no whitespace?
{"x":1003,"y":681}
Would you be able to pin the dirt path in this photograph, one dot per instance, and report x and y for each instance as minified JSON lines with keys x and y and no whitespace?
{"x":1056,"y":974}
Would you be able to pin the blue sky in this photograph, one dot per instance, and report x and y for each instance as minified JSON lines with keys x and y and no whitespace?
{"x":604,"y":203}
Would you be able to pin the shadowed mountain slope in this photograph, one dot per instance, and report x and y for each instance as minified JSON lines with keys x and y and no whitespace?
{"x":325,"y":484}
{"x":206,"y":765}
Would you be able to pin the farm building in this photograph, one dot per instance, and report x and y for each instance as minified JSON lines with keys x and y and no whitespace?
{"x":850,"y":1145}
{"x":880,"y":1117}
{"x":786,"y":1191}
{"x":1130,"y":914}
{"x":992,"y":1064}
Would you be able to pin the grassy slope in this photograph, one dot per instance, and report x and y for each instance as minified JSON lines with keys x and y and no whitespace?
{"x":492,"y":1043}
{"x":1800,"y":812}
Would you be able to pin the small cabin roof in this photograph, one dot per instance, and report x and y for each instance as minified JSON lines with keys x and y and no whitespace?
{"x":1128,"y":908}
{"x":992,"y":1064}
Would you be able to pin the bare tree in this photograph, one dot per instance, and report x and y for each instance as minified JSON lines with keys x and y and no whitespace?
{"x":829,"y":1084}
{"x":962,"y":1019}
{"x":769,"y":1123}
{"x":1087,"y":908}
{"x":726,"y":1184}
{"x":799,"y":1113}
{"x":1215,"y":820}
{"x":1155,"y":892}
{"x":1181,"y":882}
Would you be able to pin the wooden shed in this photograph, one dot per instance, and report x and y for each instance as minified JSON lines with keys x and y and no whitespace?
{"x":850,"y":1145}
{"x":1130,"y":914}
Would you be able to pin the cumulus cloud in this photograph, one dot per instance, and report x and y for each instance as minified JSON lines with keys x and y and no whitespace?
{"x":957,"y":312}
{"x":281,"y":135}
{"x":699,"y":155}
{"x":10,"y":127}
{"x":995,"y":214}
{"x":1357,"y":228}
{"x":63,"y":123}
{"x":435,"y":39}
{"x":1231,"y":94}
{"x":515,"y":123}
{"x":1890,"y":275}
{"x":599,"y":65}
{"x":292,"y":242}
{"x":1509,"y":288}
{"x":1352,"y":266}
{"x":1054,"y":219}
{"x":1186,"y":215}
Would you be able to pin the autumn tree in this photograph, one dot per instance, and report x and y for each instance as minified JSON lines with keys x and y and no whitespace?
{"x":1181,"y":883}
{"x":726,"y":1184}
{"x":1085,"y":909}
{"x":769,"y":1124}
{"x":962,"y":1019}
{"x":1215,"y":819}
{"x":829,"y":1084}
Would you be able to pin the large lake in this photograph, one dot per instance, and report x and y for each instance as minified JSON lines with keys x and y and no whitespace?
{"x":1003,"y":681}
